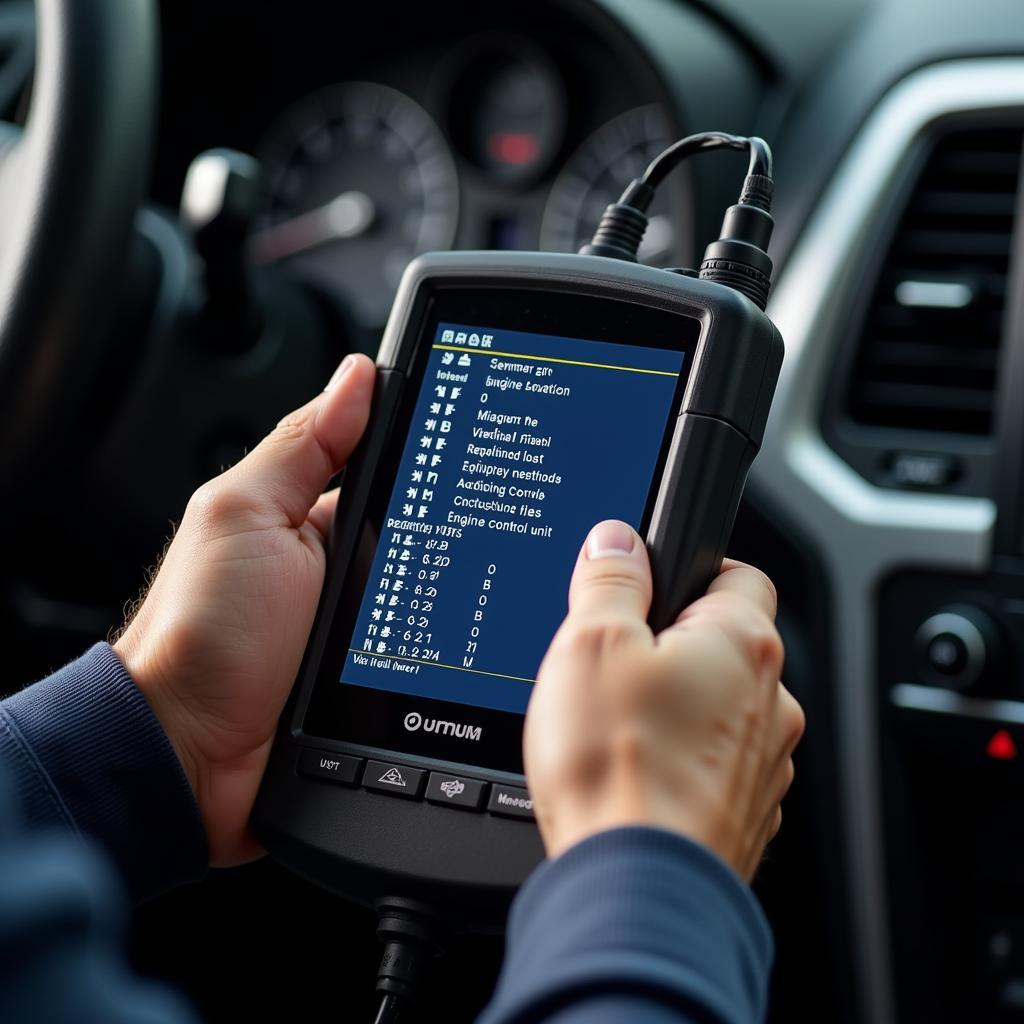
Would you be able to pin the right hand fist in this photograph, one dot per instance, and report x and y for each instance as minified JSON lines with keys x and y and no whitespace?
{"x":689,"y":731}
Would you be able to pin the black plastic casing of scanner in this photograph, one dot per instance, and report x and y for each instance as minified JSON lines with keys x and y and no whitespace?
{"x":364,"y":845}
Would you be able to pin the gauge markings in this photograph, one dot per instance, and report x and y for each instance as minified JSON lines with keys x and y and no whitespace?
{"x":361,"y":182}
{"x":595,"y":176}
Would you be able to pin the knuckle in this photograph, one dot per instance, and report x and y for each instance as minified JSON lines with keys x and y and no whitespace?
{"x":205,"y":502}
{"x":750,"y":631}
{"x":796,"y":731}
{"x":770,"y":650}
{"x":215,"y":503}
{"x":796,"y":719}
{"x":764,"y":645}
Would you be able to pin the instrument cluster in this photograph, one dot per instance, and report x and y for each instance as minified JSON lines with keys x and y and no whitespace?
{"x":492,"y":152}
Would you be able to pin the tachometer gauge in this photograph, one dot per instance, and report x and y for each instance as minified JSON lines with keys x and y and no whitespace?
{"x":595,"y":176}
{"x":361,"y":181}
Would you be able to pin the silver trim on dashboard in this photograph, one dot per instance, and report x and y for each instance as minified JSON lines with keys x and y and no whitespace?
{"x":862,"y":532}
{"x":946,"y":702}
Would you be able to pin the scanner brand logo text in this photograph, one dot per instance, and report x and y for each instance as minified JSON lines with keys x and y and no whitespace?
{"x":415,"y":721}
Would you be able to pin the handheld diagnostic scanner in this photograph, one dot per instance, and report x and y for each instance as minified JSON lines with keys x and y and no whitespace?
{"x":521,"y":398}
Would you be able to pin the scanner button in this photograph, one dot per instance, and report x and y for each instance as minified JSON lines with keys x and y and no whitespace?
{"x":510,"y":802}
{"x":455,"y":791}
{"x":394,"y":779}
{"x":327,"y":765}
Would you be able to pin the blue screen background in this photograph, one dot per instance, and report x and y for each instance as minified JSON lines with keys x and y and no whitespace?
{"x":469,"y":580}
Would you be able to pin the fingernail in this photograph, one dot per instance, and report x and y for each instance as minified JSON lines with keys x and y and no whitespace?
{"x":346,"y":364}
{"x":610,"y":539}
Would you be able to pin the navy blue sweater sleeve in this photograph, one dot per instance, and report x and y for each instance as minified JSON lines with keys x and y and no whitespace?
{"x":62,"y":918}
{"x":632,"y":925}
{"x":86,"y":752}
{"x":636,"y":925}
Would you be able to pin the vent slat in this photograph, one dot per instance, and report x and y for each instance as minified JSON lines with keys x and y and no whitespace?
{"x":1001,"y":163}
{"x":990,"y":283}
{"x":921,"y":355}
{"x":980,"y":326}
{"x":971,"y":204}
{"x":956,"y":244}
{"x":929,"y":349}
{"x":927,"y":396}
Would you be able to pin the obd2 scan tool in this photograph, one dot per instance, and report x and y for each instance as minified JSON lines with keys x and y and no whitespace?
{"x":521,"y":398}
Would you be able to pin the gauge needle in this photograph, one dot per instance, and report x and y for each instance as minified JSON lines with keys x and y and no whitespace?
{"x":347,"y":215}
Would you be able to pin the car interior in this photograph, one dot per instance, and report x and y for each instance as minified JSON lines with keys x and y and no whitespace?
{"x":146,"y":343}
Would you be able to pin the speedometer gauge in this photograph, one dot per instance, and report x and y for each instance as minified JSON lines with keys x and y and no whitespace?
{"x":361,"y":181}
{"x":595,"y":176}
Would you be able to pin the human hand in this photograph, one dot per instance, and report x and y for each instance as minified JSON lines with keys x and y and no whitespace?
{"x":689,"y":731}
{"x":217,"y":642}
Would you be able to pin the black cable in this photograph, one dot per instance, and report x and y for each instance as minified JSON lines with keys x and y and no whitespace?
{"x":413,"y":934}
{"x":738,"y":259}
{"x":390,"y":1011}
{"x":661,"y":165}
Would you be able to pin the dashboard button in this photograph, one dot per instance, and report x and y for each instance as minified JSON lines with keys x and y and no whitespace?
{"x":510,"y":802}
{"x":455,"y":791}
{"x":394,"y":779}
{"x":958,"y":647}
{"x":323,"y":764}
{"x":948,"y":653}
{"x":917,"y":469}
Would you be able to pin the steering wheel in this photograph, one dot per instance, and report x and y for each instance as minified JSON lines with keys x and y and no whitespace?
{"x":70,"y":185}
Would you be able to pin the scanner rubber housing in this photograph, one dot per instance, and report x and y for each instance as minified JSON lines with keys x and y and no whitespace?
{"x":365,"y":845}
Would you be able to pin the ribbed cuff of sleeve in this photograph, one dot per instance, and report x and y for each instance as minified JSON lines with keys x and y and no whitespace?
{"x":636,"y":911}
{"x":86,"y":751}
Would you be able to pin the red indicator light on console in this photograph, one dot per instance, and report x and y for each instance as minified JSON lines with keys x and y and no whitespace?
{"x":1001,"y":746}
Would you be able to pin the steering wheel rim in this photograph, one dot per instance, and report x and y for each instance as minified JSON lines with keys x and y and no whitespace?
{"x":69,"y":191}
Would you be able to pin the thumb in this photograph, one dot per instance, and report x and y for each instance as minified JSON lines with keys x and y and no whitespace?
{"x":612,"y":576}
{"x":290,"y":467}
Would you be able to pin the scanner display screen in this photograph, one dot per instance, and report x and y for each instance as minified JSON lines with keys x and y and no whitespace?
{"x":518,"y":443}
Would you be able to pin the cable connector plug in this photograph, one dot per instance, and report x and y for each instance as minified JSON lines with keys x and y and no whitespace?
{"x":619,"y":233}
{"x":739,"y":257}
{"x":413,"y":935}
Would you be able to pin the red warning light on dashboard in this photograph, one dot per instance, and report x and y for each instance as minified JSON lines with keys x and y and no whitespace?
{"x":1001,"y":746}
{"x":513,"y":147}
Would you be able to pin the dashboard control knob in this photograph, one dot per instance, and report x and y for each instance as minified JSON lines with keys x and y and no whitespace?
{"x":223,"y":193}
{"x":958,"y":646}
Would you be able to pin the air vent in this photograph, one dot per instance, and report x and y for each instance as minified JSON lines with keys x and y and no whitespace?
{"x":927,"y":356}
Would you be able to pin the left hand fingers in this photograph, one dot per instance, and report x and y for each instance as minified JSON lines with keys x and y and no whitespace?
{"x":283,"y":476}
